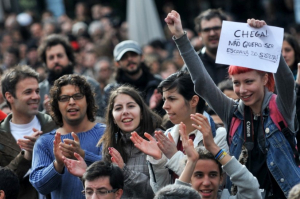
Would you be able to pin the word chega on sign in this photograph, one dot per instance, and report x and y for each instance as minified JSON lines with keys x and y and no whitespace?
{"x":243,"y":45}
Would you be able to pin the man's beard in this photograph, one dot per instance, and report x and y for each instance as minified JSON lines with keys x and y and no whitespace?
{"x":54,"y":75}
{"x":132,"y":72}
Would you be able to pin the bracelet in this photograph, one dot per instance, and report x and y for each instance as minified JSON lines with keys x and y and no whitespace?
{"x":216,"y":156}
{"x":222,"y":155}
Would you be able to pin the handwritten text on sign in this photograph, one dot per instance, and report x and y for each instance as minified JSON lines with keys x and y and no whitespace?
{"x":257,"y":48}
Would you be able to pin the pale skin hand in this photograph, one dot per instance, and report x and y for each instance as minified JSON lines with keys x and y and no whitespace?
{"x":75,"y":167}
{"x":174,"y":24}
{"x":190,"y":152}
{"x":148,"y":147}
{"x":256,"y":23}
{"x":69,"y":147}
{"x":28,"y":143}
{"x":166,"y":144}
{"x":202,"y":124}
{"x":59,"y":162}
{"x":155,"y":99}
{"x":116,"y":157}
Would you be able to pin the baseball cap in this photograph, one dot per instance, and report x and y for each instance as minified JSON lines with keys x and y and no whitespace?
{"x":126,"y":46}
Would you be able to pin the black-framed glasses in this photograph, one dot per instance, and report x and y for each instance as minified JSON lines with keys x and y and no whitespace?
{"x":214,"y":28}
{"x":66,"y":98}
{"x":99,"y":192}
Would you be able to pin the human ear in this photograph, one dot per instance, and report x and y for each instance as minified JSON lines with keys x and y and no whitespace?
{"x":194,"y":101}
{"x":9,"y":97}
{"x":2,"y":194}
{"x":119,"y":193}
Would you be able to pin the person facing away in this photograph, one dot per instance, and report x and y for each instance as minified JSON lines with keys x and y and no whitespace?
{"x":208,"y":25}
{"x":203,"y":169}
{"x":267,"y":155}
{"x":126,"y":112}
{"x":73,"y":108}
{"x":180,"y":101}
{"x":20,"y":129}
{"x":57,"y":54}
{"x":104,"y":180}
{"x":132,"y":70}
{"x":9,"y":184}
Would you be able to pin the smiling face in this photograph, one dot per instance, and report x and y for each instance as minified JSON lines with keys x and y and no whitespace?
{"x":73,"y":111}
{"x":176,"y":106}
{"x":27,"y":98}
{"x":249,"y":87}
{"x":288,"y":53}
{"x":206,"y":178}
{"x":126,"y":113}
{"x":210,"y":38}
{"x":130,"y":63}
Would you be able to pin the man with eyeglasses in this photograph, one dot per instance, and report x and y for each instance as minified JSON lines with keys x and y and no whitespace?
{"x":73,"y":109}
{"x":208,"y":25}
{"x":103,"y":180}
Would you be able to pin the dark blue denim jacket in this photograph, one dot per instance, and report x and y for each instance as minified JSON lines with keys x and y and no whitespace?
{"x":280,"y":157}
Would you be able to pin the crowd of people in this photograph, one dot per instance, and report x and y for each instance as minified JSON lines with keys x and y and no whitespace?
{"x":87,"y":113}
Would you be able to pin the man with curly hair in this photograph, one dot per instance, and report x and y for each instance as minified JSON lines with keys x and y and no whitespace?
{"x":73,"y":109}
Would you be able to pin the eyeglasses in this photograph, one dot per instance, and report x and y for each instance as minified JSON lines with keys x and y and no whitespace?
{"x":99,"y":192}
{"x":214,"y":28}
{"x":66,"y":98}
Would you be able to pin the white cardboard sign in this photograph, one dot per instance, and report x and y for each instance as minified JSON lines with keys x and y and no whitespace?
{"x":257,"y":48}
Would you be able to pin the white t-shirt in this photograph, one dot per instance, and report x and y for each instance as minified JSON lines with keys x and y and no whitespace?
{"x":20,"y":130}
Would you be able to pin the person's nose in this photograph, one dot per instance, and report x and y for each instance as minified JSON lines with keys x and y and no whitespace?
{"x":206,"y":181}
{"x":166,"y":105}
{"x":243,"y":88}
{"x":71,"y":100}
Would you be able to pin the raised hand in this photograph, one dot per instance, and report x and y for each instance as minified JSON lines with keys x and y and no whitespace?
{"x":174,"y":23}
{"x":202,"y":124}
{"x":256,"y":23}
{"x":148,"y":147}
{"x":187,"y":144}
{"x":155,"y":99}
{"x":58,"y":163}
{"x":46,"y":104}
{"x":69,"y":147}
{"x":75,"y":167}
{"x":166,"y":144}
{"x":116,"y":157}
{"x":28,"y":143}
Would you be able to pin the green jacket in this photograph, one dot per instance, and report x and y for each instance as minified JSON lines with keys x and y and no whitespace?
{"x":12,"y":157}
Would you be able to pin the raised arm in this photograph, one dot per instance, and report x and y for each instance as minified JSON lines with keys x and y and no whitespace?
{"x":204,"y":85}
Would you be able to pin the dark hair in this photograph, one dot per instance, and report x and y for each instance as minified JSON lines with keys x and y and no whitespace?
{"x":295,"y":45}
{"x":204,"y":154}
{"x":102,"y":169}
{"x":9,"y":183}
{"x":184,"y":85}
{"x":177,"y":191}
{"x":84,"y":87}
{"x":208,"y":15}
{"x":14,"y":51}
{"x":149,"y":122}
{"x":226,"y":84}
{"x":13,"y":76}
{"x":53,"y":40}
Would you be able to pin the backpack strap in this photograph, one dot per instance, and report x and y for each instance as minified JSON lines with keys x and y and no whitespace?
{"x":275,"y":114}
{"x":281,"y":124}
{"x":233,"y":126}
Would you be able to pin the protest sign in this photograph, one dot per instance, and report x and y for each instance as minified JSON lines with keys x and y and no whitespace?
{"x":243,"y":45}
